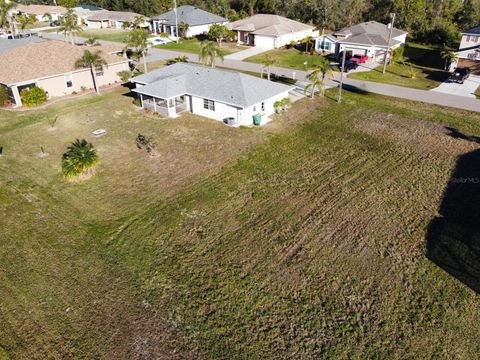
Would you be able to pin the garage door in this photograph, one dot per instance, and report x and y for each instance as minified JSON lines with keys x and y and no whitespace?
{"x":264,"y":42}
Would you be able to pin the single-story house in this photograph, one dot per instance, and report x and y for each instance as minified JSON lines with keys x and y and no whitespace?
{"x":369,"y":38}
{"x":198,"y":21}
{"x":39,"y":11}
{"x":270,"y":31}
{"x":214,"y":93}
{"x":50,"y":65}
{"x":113,"y":19}
{"x":82,"y":12}
{"x":469,"y":50}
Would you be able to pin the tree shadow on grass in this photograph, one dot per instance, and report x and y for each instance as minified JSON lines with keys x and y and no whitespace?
{"x":453,"y":238}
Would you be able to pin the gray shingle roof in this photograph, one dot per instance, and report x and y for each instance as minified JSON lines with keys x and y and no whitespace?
{"x":225,"y":86}
{"x":475,"y":30}
{"x":267,"y":24}
{"x":103,"y":15}
{"x":9,"y":44}
{"x":190,"y":15}
{"x":369,"y":33}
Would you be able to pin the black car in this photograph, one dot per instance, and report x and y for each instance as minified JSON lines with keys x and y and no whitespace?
{"x":459,"y":75}
{"x":349,"y":65}
{"x":55,"y":23}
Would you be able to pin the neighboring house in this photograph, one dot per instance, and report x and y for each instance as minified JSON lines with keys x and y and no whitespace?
{"x":50,"y":65}
{"x":469,"y":50}
{"x":270,"y":31}
{"x":113,"y":19}
{"x":198,"y":21}
{"x":325,"y":43}
{"x":368,"y":38}
{"x":84,"y":11}
{"x":209,"y":92}
{"x":55,"y":12}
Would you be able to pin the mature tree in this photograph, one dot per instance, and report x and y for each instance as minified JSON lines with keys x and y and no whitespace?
{"x":183,"y":28}
{"x":315,"y":82}
{"x":93,"y":61}
{"x":218,"y":33}
{"x":267,"y":63}
{"x":79,"y":159}
{"x":449,"y":57}
{"x":137,"y":39}
{"x":69,"y":4}
{"x":69,"y":26}
{"x":209,"y":51}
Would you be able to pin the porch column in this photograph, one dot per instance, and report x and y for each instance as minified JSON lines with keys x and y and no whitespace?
{"x":141,"y":100}
{"x":171,"y":109}
{"x":154,"y":104}
{"x":238,"y":37}
{"x":16,"y":96}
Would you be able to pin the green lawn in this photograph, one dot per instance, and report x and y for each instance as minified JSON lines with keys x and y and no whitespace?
{"x":38,"y":24}
{"x":193,"y":46}
{"x":422,"y":69}
{"x":304,"y":239}
{"x":288,"y":58}
{"x":117,"y":35}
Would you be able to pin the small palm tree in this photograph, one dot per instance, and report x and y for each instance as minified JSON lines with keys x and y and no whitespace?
{"x":209,"y":51}
{"x":449,"y":56}
{"x":7,"y":21}
{"x":69,"y":26}
{"x":137,"y":38}
{"x":183,"y":29}
{"x":92,"y":41}
{"x":307,"y":42}
{"x":138,"y":21}
{"x":24,"y":21}
{"x":126,"y":25}
{"x":79,"y":159}
{"x":267,"y":63}
{"x":91,"y":60}
{"x":315,"y":82}
{"x":324,"y":69}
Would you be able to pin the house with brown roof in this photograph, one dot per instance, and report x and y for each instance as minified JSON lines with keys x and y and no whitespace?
{"x":270,"y":31}
{"x":50,"y":65}
{"x":39,"y":11}
{"x":114,"y":19}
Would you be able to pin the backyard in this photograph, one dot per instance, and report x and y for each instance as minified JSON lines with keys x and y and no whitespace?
{"x":422,"y":68}
{"x":307,"y":238}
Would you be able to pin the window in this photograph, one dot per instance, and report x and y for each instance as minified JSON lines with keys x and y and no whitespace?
{"x":69,"y":80}
{"x":99,"y":70}
{"x":209,"y":104}
{"x":263,"y":106}
{"x":325,"y":45}
{"x":254,"y":108}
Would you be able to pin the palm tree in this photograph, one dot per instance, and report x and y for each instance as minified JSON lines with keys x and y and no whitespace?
{"x":324,"y":69}
{"x":7,"y":22}
{"x":307,"y":41}
{"x":137,"y":38}
{"x":91,"y":60}
{"x":138,"y":21}
{"x":315,"y":82}
{"x":92,"y":41}
{"x":47,"y":16}
{"x":25,"y":20}
{"x":209,"y":51}
{"x":267,"y":63}
{"x":183,"y":29}
{"x":449,"y":56}
{"x":69,"y":26}
{"x":79,"y":159}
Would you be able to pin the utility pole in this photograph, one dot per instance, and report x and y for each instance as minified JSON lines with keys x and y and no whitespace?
{"x":392,"y":16}
{"x":342,"y":69}
{"x":176,"y":18}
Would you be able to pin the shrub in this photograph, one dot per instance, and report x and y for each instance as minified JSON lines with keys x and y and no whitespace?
{"x":163,"y":35}
{"x":3,"y":96}
{"x":137,"y":102}
{"x":145,"y":143}
{"x":79,"y":159}
{"x":176,"y":60}
{"x":477,"y":92}
{"x":397,"y":54}
{"x":124,"y":75}
{"x":33,"y":96}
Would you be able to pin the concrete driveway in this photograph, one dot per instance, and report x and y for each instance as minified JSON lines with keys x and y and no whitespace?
{"x":241,"y":55}
{"x":466,"y":89}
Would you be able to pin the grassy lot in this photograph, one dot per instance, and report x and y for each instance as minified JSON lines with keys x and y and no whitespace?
{"x":303,"y":239}
{"x":193,"y":46}
{"x":289,"y":58}
{"x":117,"y":35}
{"x":37,"y":24}
{"x":423,"y":69}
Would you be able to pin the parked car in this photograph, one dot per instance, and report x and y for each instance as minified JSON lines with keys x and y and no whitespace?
{"x":332,"y":57}
{"x":55,"y":23}
{"x":460,"y":75}
{"x":349,"y":65}
{"x":360,"y":59}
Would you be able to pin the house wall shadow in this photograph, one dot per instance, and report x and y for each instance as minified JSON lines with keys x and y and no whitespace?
{"x":453,"y":238}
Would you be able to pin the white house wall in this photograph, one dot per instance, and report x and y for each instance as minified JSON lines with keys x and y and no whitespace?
{"x":246,"y":115}
{"x":286,"y":39}
{"x":221,"y":112}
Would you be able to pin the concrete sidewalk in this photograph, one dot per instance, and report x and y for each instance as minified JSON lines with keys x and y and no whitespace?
{"x":242,"y":55}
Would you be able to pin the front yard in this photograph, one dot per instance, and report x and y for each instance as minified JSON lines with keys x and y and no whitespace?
{"x":193,"y":46}
{"x":117,"y":35}
{"x":289,"y":58}
{"x":422,"y":68}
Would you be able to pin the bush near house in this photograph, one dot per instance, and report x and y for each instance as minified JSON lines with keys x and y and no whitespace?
{"x":124,"y":75}
{"x":33,"y":96}
{"x":3,"y":96}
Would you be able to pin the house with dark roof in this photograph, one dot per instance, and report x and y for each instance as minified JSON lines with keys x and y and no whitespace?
{"x":369,"y":38}
{"x":198,"y":21}
{"x":214,"y":93}
{"x":469,"y":50}
{"x":270,"y":31}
